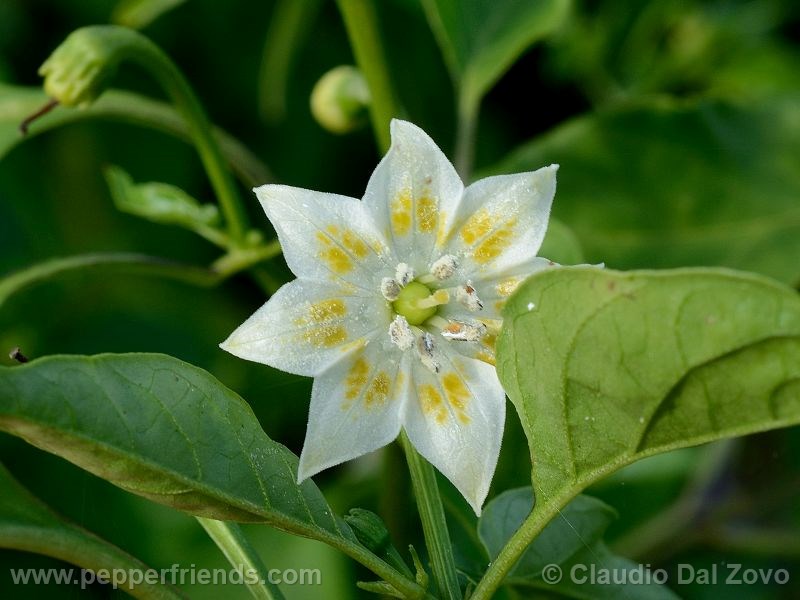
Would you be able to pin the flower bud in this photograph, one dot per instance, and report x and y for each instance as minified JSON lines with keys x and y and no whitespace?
{"x":340,"y":100}
{"x":78,"y":71}
{"x":369,"y":529}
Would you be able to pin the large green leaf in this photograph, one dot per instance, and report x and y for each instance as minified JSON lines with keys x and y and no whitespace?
{"x":27,"y":524}
{"x":605,"y":368}
{"x":671,"y":185}
{"x":481,"y":39}
{"x":573,"y":542}
{"x":170,"y":432}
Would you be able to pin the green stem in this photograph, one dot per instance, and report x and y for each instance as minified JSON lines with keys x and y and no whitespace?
{"x":361,"y":23}
{"x":434,"y":525}
{"x":17,"y":102}
{"x":235,"y":261}
{"x":140,"y":50}
{"x":289,"y":26}
{"x":230,"y":539}
{"x":518,"y":543}
{"x":465,"y":135}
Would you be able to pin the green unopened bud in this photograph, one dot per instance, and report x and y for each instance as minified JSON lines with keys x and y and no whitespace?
{"x":370,"y":530}
{"x":340,"y":100}
{"x":79,"y":70}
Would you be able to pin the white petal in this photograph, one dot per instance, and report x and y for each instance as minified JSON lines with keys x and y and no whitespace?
{"x":502,"y":221}
{"x":411,"y":194}
{"x":327,"y":237}
{"x":307,"y":326}
{"x":455,"y":420}
{"x":495,"y":287}
{"x":356,"y":407}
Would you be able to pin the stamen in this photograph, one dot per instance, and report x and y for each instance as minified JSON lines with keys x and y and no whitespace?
{"x":444,"y":267}
{"x":468,"y":297}
{"x":404,"y":274}
{"x":425,"y":350}
{"x":400,"y":333}
{"x":390,"y":289}
{"x":437,"y":298}
{"x":462,"y":331}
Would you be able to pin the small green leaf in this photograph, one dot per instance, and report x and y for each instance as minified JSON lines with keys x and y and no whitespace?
{"x":605,"y":367}
{"x":163,"y":203}
{"x":573,"y":541}
{"x":168,"y":431}
{"x":481,"y":39}
{"x":664,"y":184}
{"x":27,"y":524}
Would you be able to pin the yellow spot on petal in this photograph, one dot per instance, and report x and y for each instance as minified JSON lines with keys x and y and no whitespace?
{"x":401,"y":212}
{"x":354,"y":244}
{"x":477,"y":226}
{"x":356,"y":379}
{"x":457,"y":393}
{"x":507,"y":287}
{"x":487,"y":357}
{"x":432,"y":403}
{"x":495,"y":243}
{"x":442,"y":234}
{"x":327,"y":310}
{"x":325,"y":336}
{"x":333,"y":256}
{"x":378,"y":391}
{"x":427,"y":215}
{"x":490,"y":340}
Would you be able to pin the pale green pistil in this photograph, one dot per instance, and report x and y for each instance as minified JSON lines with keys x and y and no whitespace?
{"x":415,"y":303}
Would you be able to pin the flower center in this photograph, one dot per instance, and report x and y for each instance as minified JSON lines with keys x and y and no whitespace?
{"x":413,"y":303}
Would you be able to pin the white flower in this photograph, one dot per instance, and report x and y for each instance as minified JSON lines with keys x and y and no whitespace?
{"x":396,"y":307}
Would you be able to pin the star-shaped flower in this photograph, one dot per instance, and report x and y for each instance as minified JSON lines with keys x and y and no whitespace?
{"x":396,"y":307}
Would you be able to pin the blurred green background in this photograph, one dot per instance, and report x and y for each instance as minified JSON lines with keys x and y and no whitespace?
{"x":677,"y":127}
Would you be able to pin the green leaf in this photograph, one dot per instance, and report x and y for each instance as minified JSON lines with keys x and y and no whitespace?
{"x":669,"y":185}
{"x":27,"y":524}
{"x":573,"y":541}
{"x":168,"y":431}
{"x":481,"y":39}
{"x":17,"y":103}
{"x":164,"y":203}
{"x":626,"y":365}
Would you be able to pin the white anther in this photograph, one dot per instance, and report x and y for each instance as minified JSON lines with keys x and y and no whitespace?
{"x":468,"y":297}
{"x":390,"y":289}
{"x":404,"y":274}
{"x":444,"y":267}
{"x":425,"y":350}
{"x":463,"y":331}
{"x":400,"y":333}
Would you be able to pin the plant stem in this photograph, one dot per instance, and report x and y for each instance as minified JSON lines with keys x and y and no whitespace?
{"x":465,"y":135}
{"x":434,"y":525}
{"x":517,"y":544}
{"x":145,"y":53}
{"x":361,"y":23}
{"x":229,"y":264}
{"x":17,"y":102}
{"x":230,"y":539}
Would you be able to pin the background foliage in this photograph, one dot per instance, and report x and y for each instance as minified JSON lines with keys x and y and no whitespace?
{"x":677,"y":127}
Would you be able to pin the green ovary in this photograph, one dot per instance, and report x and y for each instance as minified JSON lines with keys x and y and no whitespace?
{"x":406,"y":303}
